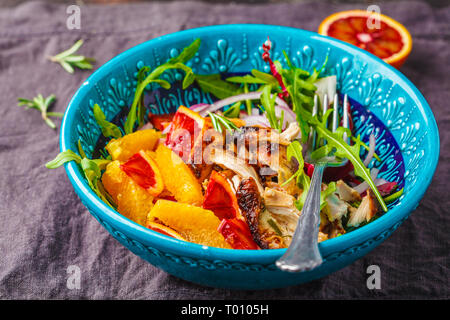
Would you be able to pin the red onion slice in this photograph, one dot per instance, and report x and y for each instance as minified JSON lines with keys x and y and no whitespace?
{"x":371,"y":150}
{"x":364,"y":185}
{"x":256,"y":120}
{"x":199,"y":107}
{"x":240,"y":97}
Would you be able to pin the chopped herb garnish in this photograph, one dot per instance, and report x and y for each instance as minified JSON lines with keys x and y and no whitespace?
{"x":275,"y":226}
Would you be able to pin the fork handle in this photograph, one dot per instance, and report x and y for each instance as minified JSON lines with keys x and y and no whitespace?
{"x":303,"y":252}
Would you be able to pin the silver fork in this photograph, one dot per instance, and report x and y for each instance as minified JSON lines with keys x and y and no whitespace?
{"x":303,"y":252}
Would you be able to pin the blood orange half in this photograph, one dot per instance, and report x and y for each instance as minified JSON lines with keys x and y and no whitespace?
{"x":377,"y":33}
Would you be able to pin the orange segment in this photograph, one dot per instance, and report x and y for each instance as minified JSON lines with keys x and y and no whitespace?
{"x":133,"y":201}
{"x":145,"y":172}
{"x":193,"y":223}
{"x":178,"y":178}
{"x":164,"y":230}
{"x":160,"y":121}
{"x":389,"y":40}
{"x":186,"y":131}
{"x":123,"y":148}
{"x":220,"y":197}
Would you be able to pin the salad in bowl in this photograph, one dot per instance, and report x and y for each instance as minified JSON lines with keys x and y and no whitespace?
{"x":193,"y":150}
{"x":233,"y":173}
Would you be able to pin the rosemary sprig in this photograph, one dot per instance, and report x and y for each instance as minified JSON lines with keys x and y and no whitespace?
{"x":218,"y":121}
{"x":69,"y":60}
{"x":42,"y":104}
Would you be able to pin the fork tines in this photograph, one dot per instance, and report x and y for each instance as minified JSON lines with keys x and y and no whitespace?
{"x":335,"y":123}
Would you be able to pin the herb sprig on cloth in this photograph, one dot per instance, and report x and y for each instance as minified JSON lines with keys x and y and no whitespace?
{"x":69,"y":60}
{"x":42,"y":104}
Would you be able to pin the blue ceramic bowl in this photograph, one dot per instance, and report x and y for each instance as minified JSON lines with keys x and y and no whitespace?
{"x":384,"y":102}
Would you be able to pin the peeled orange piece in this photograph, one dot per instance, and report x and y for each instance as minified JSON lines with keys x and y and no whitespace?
{"x":178,"y":177}
{"x":186,"y":131}
{"x":133,"y":201}
{"x":145,"y":172}
{"x":164,"y":230}
{"x":377,"y":33}
{"x":123,"y":148}
{"x":193,"y":223}
{"x":220,"y":197}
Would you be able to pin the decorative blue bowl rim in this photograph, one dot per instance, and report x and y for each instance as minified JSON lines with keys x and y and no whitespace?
{"x":182,"y":248}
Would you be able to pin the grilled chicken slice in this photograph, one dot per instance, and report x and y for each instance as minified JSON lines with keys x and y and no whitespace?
{"x":335,"y":208}
{"x":264,"y":232}
{"x":281,"y":206}
{"x":290,"y":133}
{"x":280,"y":202}
{"x":367,"y":209}
{"x":346,"y":192}
{"x":237,"y":165}
{"x":259,"y":145}
{"x":331,"y":229}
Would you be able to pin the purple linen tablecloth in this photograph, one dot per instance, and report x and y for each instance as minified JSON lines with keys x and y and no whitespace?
{"x":44,"y":228}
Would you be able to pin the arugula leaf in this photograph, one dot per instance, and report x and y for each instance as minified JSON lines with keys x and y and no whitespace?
{"x":108,"y":129}
{"x":268,"y":103}
{"x":41,"y":104}
{"x":248,"y":103}
{"x":92,"y":171}
{"x":245,"y":79}
{"x":331,"y":188}
{"x":68,"y":60}
{"x":187,"y":53}
{"x":312,"y":78}
{"x":265,"y":77}
{"x":80,"y":149}
{"x":153,"y":77}
{"x":365,"y":146}
{"x":143,"y":83}
{"x":214,"y":85}
{"x":304,"y":182}
{"x":294,"y":150}
{"x":62,"y":158}
{"x":394,"y":196}
{"x":140,"y":106}
{"x":233,"y":111}
{"x":274,"y":226}
{"x":93,"y":174}
{"x":343,"y":150}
